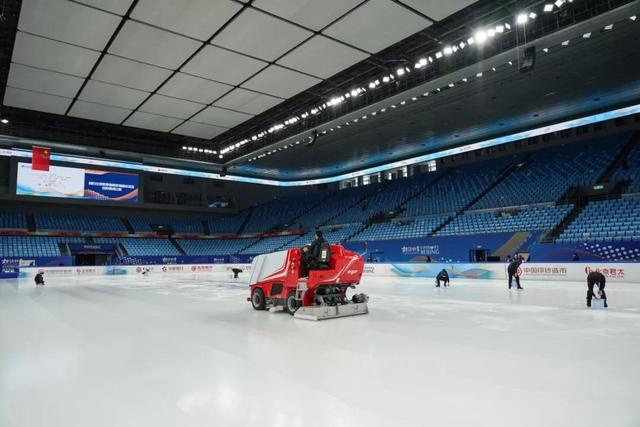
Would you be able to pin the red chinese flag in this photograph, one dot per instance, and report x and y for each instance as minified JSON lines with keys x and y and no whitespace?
{"x":40,"y":158}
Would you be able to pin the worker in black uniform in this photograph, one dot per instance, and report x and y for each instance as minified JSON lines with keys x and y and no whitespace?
{"x":311,"y":255}
{"x":596,"y":278}
{"x":39,"y":279}
{"x":513,"y":270}
{"x":444,"y":276}
{"x":314,"y":248}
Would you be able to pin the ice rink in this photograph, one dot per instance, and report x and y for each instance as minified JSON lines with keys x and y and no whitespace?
{"x":189,"y":351}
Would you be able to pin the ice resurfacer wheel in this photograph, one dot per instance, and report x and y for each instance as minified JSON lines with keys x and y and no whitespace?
{"x":257,"y":299}
{"x":291,"y":303}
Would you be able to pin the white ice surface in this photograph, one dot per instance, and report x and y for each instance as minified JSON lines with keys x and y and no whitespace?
{"x":187,"y":351}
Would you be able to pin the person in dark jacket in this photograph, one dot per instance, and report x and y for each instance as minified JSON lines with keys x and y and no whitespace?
{"x":311,"y":253}
{"x":444,"y":276}
{"x":596,"y":278}
{"x":39,"y":279}
{"x":314,"y":248}
{"x":575,"y":257}
{"x":513,"y":271}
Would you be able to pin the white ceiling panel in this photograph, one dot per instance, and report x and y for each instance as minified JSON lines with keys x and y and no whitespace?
{"x":199,"y":19}
{"x":199,"y":130}
{"x":221,"y":117}
{"x":28,"y":100}
{"x":186,"y":86}
{"x":39,"y":80}
{"x":281,"y":82}
{"x":99,"y":112}
{"x":108,"y":94}
{"x":322,"y":57}
{"x":119,"y":7}
{"x":222,"y":65}
{"x":152,"y":121}
{"x":438,"y":9}
{"x":66,"y":21}
{"x":133,"y":74}
{"x":151,"y":45}
{"x":377,"y":25}
{"x":52,"y":55}
{"x":171,"y":107}
{"x":312,"y":14}
{"x":247,"y":101}
{"x":260,"y":35}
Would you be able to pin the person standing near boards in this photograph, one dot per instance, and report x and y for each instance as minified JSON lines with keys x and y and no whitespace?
{"x":512,"y":269}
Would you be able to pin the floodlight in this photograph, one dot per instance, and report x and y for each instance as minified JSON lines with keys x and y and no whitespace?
{"x":480,"y":36}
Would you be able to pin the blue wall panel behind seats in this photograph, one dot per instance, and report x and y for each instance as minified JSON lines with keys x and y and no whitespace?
{"x":447,"y":249}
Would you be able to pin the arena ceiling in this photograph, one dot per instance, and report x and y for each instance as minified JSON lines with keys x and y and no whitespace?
{"x":152,"y":76}
{"x":195,"y":68}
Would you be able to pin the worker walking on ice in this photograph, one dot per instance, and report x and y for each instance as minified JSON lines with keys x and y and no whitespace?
{"x":444,"y":276}
{"x":596,"y":278}
{"x":512,"y":269}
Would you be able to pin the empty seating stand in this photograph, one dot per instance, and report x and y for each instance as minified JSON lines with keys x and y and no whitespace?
{"x":523,"y":219}
{"x":34,"y":246}
{"x":214,"y":247}
{"x":143,"y":247}
{"x":630,"y":171}
{"x":457,"y":189}
{"x":417,"y":227}
{"x":228,"y":224}
{"x":606,"y":220}
{"x":552,"y":171}
{"x":187,"y":226}
{"x":13,"y":220}
{"x":72,"y":222}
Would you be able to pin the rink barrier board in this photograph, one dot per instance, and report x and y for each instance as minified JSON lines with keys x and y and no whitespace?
{"x":568,"y":272}
{"x":614,"y":272}
{"x":220,"y":270}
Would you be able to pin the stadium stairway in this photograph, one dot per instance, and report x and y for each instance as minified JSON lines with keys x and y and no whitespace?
{"x":205,"y":228}
{"x":311,"y":207}
{"x":253,"y":243}
{"x":620,"y":157}
{"x":425,"y":188}
{"x":123,"y":250}
{"x":64,"y":249}
{"x":177,"y":246}
{"x":246,"y":220}
{"x":573,"y":194}
{"x":512,"y":245}
{"x":340,"y":212}
{"x":31,"y":222}
{"x":128,"y":226}
{"x":551,"y":236}
{"x":510,"y":168}
{"x":400,"y":207}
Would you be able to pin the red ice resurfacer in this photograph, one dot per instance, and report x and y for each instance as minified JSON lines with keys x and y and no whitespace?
{"x":308,"y":287}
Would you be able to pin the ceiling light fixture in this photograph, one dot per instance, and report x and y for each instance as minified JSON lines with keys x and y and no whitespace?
{"x":480,"y":36}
